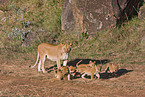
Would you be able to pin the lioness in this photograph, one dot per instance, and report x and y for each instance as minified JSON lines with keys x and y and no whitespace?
{"x":54,"y":53}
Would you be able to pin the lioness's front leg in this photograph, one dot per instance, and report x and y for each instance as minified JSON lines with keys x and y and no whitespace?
{"x":65,"y":63}
{"x":58,"y":63}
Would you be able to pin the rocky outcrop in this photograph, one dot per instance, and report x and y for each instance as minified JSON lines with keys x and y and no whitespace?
{"x":142,"y":12}
{"x":94,"y":15}
{"x":29,"y":39}
{"x":125,"y":9}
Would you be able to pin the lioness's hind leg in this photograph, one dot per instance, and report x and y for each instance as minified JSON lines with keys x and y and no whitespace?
{"x":39,"y":66}
{"x":42,"y":65}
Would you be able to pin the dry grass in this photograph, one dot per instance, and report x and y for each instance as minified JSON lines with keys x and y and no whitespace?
{"x":17,"y":79}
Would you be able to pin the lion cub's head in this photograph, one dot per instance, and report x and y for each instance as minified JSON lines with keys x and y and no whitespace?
{"x":72,"y":70}
{"x":64,"y":70}
{"x":58,"y":74}
{"x":112,"y":68}
{"x":62,"y":73}
{"x":99,"y":68}
{"x":92,"y":63}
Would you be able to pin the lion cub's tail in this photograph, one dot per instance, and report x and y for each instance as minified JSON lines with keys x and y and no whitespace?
{"x":78,"y":63}
{"x":35,"y":62}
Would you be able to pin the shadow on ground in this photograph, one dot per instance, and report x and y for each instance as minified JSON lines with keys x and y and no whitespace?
{"x":119,"y":73}
{"x":84,"y":61}
{"x":104,"y":75}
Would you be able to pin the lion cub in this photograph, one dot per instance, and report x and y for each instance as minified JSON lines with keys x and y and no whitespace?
{"x":62,"y":73}
{"x":52,"y":52}
{"x":58,"y":74}
{"x":84,"y":65}
{"x":111,"y":68}
{"x":72,"y":70}
{"x":89,"y":70}
{"x":99,"y":67}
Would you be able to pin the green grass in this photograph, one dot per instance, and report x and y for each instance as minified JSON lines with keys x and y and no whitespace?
{"x":120,"y":45}
{"x":20,"y":17}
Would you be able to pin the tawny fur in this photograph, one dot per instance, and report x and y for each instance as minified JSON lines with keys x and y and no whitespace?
{"x":72,"y":70}
{"x":111,"y":68}
{"x":62,"y":73}
{"x":89,"y":70}
{"x":82,"y":65}
{"x":52,"y":52}
{"x":58,"y":74}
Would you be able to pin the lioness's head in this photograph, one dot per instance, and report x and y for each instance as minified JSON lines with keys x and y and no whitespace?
{"x":66,"y":47}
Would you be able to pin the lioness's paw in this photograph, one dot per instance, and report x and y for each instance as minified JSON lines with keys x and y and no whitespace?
{"x":44,"y":71}
{"x":39,"y":70}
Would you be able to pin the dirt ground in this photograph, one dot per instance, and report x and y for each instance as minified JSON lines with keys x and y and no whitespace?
{"x":17,"y":79}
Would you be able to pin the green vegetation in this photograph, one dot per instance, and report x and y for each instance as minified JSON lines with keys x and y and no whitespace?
{"x":119,"y":45}
{"x":20,"y":17}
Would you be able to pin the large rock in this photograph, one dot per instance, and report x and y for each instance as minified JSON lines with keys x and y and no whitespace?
{"x":125,"y":9}
{"x":93,"y":15}
{"x":142,"y":12}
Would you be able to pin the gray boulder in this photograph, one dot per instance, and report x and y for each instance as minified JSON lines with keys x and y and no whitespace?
{"x":94,"y":15}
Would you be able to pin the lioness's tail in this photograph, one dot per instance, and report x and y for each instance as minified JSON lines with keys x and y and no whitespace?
{"x":35,"y":62}
{"x":78,"y":63}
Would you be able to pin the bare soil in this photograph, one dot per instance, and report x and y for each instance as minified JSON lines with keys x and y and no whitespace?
{"x":17,"y":79}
